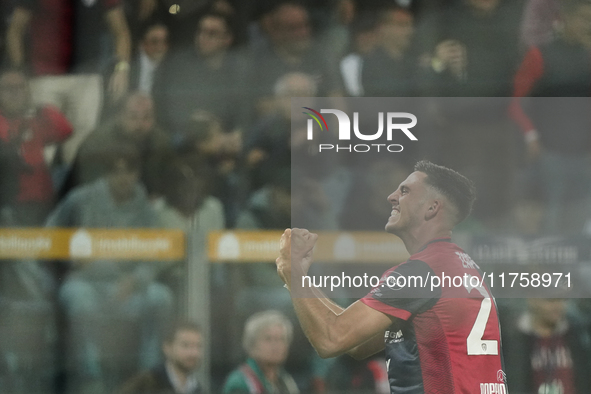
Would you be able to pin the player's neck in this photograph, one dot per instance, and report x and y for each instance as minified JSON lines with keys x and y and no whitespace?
{"x":415,"y":240}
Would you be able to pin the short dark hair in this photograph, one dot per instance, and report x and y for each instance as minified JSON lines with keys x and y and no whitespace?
{"x":183,"y":325}
{"x":457,"y":188}
{"x":152,"y":24}
{"x":228,"y":20}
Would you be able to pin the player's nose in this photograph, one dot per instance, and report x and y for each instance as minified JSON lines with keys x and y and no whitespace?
{"x":393,"y":198}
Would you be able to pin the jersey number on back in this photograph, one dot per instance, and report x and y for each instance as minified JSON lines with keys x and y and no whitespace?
{"x":476,"y":345}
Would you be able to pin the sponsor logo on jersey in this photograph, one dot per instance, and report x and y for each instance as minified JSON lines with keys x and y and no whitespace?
{"x":467,"y":261}
{"x":493,"y":388}
{"x":393,"y":336}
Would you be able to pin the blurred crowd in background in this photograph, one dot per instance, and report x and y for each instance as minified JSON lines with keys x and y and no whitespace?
{"x":177,"y":114}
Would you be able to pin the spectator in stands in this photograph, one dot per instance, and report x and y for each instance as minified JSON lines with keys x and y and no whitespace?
{"x":268,"y":143}
{"x":270,"y":148}
{"x":182,"y":349}
{"x":95,"y":204}
{"x":471,"y":50}
{"x":189,"y":205}
{"x":183,"y":20}
{"x":419,"y":8}
{"x":556,"y":131}
{"x":358,"y":376}
{"x":275,"y":143}
{"x":541,"y":22}
{"x":266,"y":340}
{"x":205,"y":77}
{"x":141,"y":14}
{"x":270,"y":206}
{"x":546,"y":352}
{"x":28,"y":329}
{"x":290,"y":48}
{"x":473,"y":47}
{"x":135,"y":125}
{"x":205,"y":139}
{"x":335,"y":31}
{"x":364,"y":38}
{"x":149,"y":55}
{"x":313,"y":204}
{"x":390,"y":70}
{"x":25,"y":131}
{"x":152,"y":50}
{"x":66,"y":37}
{"x":275,"y":204}
{"x":107,"y":301}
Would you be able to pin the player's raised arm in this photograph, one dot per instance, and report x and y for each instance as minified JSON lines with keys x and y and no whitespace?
{"x":330,"y":329}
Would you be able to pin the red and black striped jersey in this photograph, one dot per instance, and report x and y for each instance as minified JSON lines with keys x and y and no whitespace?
{"x":446,"y":338}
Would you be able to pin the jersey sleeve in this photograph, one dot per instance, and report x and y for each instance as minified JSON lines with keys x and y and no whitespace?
{"x":404,"y":291}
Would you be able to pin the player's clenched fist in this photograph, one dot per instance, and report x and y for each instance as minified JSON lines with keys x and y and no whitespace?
{"x":283,"y":262}
{"x":295,"y":245}
{"x":302,"y":243}
{"x":285,"y":245}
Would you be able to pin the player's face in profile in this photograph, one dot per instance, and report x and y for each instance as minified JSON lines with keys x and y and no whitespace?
{"x":271,"y":346}
{"x":407,"y":203}
{"x":185,"y":351}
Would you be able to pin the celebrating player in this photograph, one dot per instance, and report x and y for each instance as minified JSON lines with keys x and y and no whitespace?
{"x":445,"y":340}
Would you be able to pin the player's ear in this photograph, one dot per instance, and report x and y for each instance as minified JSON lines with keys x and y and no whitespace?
{"x":433,"y":209}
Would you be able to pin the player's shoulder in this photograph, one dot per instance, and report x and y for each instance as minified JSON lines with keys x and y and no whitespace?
{"x":442,"y":252}
{"x":436,"y":248}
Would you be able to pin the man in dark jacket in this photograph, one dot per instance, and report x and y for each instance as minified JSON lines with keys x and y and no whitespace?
{"x":134,"y":125}
{"x":183,"y":350}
